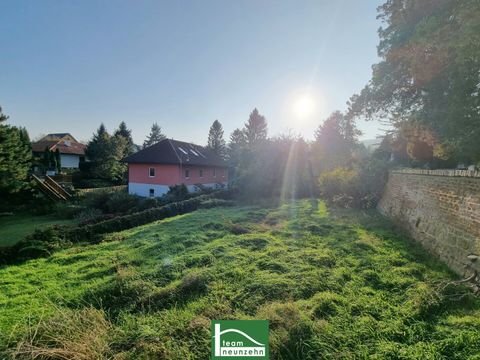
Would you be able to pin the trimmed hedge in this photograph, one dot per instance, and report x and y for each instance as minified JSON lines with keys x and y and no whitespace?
{"x":89,"y":232}
{"x":44,"y":242}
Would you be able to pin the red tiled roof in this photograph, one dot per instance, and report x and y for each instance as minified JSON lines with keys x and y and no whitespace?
{"x":74,"y":148}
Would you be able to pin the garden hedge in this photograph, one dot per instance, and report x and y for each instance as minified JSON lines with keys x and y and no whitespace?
{"x":44,"y":242}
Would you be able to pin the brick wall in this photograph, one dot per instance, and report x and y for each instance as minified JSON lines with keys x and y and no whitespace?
{"x":439,"y":208}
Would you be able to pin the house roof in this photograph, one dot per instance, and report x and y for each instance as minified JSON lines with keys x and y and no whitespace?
{"x":57,"y":137}
{"x":63,"y":146}
{"x":171,"y":151}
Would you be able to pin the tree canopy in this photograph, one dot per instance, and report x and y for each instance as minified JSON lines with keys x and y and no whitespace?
{"x":429,"y":72}
{"x":15,"y":157}
{"x":216,"y":142}
{"x":154,"y":137}
{"x":127,"y":134}
{"x":336,"y":139}
{"x":106,"y":152}
{"x":255,"y":128}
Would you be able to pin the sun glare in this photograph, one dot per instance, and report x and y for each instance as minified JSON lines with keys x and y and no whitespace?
{"x":303,"y":106}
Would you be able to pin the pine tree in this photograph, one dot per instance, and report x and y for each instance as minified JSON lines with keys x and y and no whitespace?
{"x":105,"y":152}
{"x":216,"y":142}
{"x":15,"y":157}
{"x":155,"y":136}
{"x":127,"y":134}
{"x":237,"y":139}
{"x":255,"y":128}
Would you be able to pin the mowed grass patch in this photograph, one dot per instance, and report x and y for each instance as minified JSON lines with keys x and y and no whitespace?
{"x":334,"y":285}
{"x":14,"y":228}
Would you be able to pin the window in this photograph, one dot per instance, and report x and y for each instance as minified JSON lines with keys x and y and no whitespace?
{"x":201,"y":172}
{"x":187,"y":174}
{"x":182,"y":150}
{"x":214,"y":172}
{"x":151,"y":192}
{"x":151,"y":172}
{"x":223,"y":173}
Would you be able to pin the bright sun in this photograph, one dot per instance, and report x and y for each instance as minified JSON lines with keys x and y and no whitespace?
{"x":303,"y":106}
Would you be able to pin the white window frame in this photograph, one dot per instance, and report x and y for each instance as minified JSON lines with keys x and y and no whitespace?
{"x":150,"y":172}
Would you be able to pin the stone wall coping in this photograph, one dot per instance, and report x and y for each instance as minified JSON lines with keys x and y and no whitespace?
{"x":445,"y":172}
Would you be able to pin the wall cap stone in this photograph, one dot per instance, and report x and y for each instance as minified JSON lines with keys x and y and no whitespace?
{"x":446,"y":172}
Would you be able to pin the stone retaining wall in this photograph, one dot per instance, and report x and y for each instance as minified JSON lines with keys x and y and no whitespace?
{"x":440,"y":209}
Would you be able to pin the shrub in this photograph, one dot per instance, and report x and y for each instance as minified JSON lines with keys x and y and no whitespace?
{"x":139,"y":218}
{"x":121,"y":202}
{"x":88,"y":216}
{"x":67,"y":211}
{"x":41,"y":243}
{"x":339,"y":186}
{"x":177,"y":192}
{"x":97,"y":200}
{"x":360,"y":187}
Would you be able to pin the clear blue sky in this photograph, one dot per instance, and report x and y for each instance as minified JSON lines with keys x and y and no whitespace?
{"x":67,"y":66}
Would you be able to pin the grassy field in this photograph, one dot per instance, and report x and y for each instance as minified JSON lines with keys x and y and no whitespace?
{"x":14,"y":228}
{"x":334,"y":285}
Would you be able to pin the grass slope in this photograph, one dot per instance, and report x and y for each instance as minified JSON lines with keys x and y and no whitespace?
{"x":15,"y":227}
{"x":334,"y":286}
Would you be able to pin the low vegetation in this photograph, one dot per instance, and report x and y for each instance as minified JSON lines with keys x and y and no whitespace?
{"x":16,"y":226}
{"x":334,"y":285}
{"x":43,"y":242}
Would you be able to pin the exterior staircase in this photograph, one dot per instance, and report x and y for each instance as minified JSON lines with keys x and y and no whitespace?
{"x":51,"y":188}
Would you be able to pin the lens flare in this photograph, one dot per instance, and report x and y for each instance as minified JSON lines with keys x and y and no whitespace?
{"x":303,"y":106}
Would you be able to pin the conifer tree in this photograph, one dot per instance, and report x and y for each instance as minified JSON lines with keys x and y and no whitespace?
{"x":127,"y":134}
{"x":255,"y":128}
{"x":15,"y":157}
{"x":216,"y":142}
{"x":155,"y":136}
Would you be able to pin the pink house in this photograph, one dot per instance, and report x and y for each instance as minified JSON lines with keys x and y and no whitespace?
{"x":171,"y":162}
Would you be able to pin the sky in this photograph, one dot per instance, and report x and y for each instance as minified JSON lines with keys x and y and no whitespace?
{"x":67,"y":66}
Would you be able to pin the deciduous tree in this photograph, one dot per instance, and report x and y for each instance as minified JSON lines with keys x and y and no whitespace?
{"x":429,"y":72}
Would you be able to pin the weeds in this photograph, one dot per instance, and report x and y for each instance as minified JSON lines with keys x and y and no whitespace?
{"x":334,"y":284}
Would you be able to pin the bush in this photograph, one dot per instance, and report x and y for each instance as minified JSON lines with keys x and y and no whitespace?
{"x":121,"y":202}
{"x":97,"y":200}
{"x":89,"y":216}
{"x":67,"y":211}
{"x":339,"y":186}
{"x":142,"y":217}
{"x":359,"y":187}
{"x":93,"y":224}
{"x":177,"y":192}
{"x":41,"y":243}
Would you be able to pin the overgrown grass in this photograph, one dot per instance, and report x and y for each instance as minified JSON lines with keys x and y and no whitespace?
{"x":334,"y":285}
{"x":14,"y":228}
